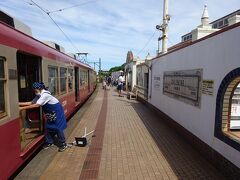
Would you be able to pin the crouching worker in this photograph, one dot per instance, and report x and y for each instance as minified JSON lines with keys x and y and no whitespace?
{"x":53,"y":113}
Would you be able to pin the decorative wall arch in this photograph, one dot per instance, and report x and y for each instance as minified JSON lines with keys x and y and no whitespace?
{"x":223,"y":108}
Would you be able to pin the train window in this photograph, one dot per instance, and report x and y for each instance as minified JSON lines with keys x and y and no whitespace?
{"x":2,"y":88}
{"x":83,"y":78}
{"x":70,"y":79}
{"x":86,"y":78}
{"x":53,"y":80}
{"x":63,"y":79}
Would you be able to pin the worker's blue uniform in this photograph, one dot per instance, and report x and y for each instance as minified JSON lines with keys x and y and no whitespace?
{"x":55,"y":118}
{"x":56,"y":126}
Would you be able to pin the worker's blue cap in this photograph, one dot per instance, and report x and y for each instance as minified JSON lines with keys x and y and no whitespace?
{"x":38,"y":85}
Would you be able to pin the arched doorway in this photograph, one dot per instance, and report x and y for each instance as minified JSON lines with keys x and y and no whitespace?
{"x":227,"y":122}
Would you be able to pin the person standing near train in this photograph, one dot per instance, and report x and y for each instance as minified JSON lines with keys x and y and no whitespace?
{"x":53,"y":112}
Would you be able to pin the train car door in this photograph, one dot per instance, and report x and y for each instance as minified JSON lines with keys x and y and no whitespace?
{"x":29,"y":71}
{"x":77,"y":95}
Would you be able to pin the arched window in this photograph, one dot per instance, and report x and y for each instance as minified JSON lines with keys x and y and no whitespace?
{"x":227,"y":122}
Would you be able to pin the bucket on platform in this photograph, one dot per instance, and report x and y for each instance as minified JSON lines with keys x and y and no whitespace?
{"x":81,"y":141}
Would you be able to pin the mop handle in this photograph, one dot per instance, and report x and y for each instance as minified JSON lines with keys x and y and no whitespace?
{"x":85,"y":135}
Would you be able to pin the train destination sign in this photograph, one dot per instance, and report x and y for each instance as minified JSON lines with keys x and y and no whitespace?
{"x":183,"y":85}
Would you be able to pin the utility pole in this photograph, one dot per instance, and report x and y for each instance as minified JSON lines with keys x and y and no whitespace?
{"x":98,"y":63}
{"x":82,"y":56}
{"x":164,"y":27}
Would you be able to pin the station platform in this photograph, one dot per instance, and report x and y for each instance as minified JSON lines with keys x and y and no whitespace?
{"x":130,"y":142}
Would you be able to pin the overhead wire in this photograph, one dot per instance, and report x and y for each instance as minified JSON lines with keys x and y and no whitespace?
{"x":149,"y":40}
{"x":76,"y":5}
{"x":47,"y":12}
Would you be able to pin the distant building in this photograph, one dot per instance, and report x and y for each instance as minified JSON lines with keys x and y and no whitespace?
{"x":143,"y":77}
{"x":131,"y":70}
{"x":207,"y":28}
{"x":226,"y":20}
{"x":116,"y":74}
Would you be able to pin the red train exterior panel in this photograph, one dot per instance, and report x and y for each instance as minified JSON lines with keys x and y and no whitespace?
{"x":11,"y":155}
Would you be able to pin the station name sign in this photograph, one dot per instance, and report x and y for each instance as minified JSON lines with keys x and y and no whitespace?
{"x":183,"y":85}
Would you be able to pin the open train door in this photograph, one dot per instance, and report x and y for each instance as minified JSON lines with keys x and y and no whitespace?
{"x":29,"y":71}
{"x":77,"y":95}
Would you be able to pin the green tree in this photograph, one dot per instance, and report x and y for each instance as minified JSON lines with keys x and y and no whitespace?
{"x":117,"y":68}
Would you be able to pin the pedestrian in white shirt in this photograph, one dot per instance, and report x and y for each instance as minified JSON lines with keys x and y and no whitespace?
{"x":120,"y":85}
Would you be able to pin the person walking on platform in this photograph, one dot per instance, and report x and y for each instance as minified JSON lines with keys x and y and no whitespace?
{"x":104,"y":84}
{"x":120,"y":85}
{"x":109,"y":81}
{"x":53,"y":113}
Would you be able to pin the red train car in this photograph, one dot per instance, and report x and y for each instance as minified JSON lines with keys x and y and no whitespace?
{"x":24,"y":60}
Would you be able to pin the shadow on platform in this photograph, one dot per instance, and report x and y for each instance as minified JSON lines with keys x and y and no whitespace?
{"x":185,"y":161}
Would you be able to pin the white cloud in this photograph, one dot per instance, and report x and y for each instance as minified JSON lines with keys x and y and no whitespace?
{"x":109,"y":28}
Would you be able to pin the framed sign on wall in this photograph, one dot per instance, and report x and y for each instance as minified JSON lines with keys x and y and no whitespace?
{"x":184,"y":85}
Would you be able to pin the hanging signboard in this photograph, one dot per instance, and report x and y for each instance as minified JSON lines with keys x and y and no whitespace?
{"x":183,"y":85}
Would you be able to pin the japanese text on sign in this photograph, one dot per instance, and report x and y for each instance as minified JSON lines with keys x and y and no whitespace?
{"x":207,"y":87}
{"x":183,"y":84}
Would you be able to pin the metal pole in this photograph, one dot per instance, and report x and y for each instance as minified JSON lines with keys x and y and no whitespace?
{"x":89,"y":133}
{"x":165,"y":26}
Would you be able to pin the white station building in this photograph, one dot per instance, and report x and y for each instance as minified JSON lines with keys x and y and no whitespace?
{"x":194,"y":84}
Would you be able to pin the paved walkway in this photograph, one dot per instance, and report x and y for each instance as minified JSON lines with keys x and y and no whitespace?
{"x":139,"y":145}
{"x":131,"y":143}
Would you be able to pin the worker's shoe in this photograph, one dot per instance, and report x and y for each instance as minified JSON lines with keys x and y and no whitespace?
{"x":46,"y":146}
{"x":62,"y":148}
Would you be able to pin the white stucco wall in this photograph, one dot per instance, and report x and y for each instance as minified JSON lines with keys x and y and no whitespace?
{"x":141,"y":70}
{"x":217,"y":56}
{"x":131,"y":77}
{"x":134,"y":74}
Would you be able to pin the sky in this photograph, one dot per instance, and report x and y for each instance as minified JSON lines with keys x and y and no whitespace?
{"x":108,"y":29}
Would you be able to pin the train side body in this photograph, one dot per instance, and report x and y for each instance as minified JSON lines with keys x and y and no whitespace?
{"x":15,"y":45}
